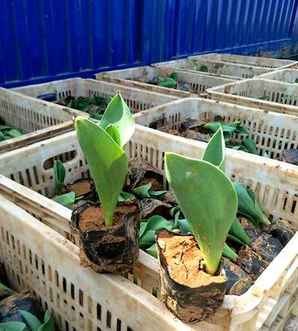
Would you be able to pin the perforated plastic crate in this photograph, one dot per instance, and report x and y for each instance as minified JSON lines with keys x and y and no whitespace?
{"x":273,"y":133}
{"x":233,"y":71}
{"x":285,"y":75}
{"x":194,"y":83}
{"x":260,"y":93}
{"x":135,"y":98}
{"x":84,"y":300}
{"x":37,"y":119}
{"x":255,"y":61}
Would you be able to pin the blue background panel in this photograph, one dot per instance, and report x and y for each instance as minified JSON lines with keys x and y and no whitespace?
{"x":52,"y":39}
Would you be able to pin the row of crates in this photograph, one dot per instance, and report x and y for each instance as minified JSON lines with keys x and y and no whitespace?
{"x":36,"y":246}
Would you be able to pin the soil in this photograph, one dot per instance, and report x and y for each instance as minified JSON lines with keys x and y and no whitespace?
{"x":107,"y":248}
{"x":251,"y":262}
{"x":184,"y":260}
{"x":186,"y":289}
{"x":190,"y":128}
{"x":82,"y":187}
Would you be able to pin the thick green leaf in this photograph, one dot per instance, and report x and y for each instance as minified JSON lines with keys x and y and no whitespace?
{"x":13,"y":326}
{"x":250,"y":146}
{"x":67,"y":199}
{"x":126,"y":197}
{"x":249,"y":207}
{"x":2,"y":136}
{"x":168,"y":82}
{"x":59,"y":176}
{"x":107,"y":162}
{"x":238,"y":231}
{"x":229,"y":253}
{"x":153,"y":224}
{"x":152,"y":250}
{"x":215,"y":151}
{"x":114,"y":133}
{"x":208,"y":200}
{"x":236,"y":239}
{"x":5,"y":288}
{"x":49,"y":324}
{"x":157,"y":194}
{"x":32,"y":322}
{"x":118,"y":114}
{"x":142,"y":228}
{"x":184,"y":226}
{"x":14,"y":133}
{"x":143,"y":191}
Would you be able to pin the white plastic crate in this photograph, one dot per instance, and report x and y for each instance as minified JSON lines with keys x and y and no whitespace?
{"x":259,"y":93}
{"x":273,"y":133}
{"x":233,"y":71}
{"x":273,"y":295}
{"x":256,"y":61}
{"x":135,"y":98}
{"x":36,"y":118}
{"x":285,"y":75}
{"x":194,"y":83}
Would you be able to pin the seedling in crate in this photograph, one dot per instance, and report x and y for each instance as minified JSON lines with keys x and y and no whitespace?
{"x":193,"y":285}
{"x":108,"y":234}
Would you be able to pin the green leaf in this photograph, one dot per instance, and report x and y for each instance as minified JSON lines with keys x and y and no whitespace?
{"x":143,"y":191}
{"x":13,"y":326}
{"x":184,"y":226}
{"x":118,"y":114}
{"x":168,"y":82}
{"x":230,"y":253}
{"x":49,"y":324}
{"x":238,"y":231}
{"x":2,"y":137}
{"x":67,"y":199}
{"x":32,"y":321}
{"x":13,"y":133}
{"x":157,"y":194}
{"x":215,"y":151}
{"x":208,"y":200}
{"x":236,"y":239}
{"x":153,"y":224}
{"x":114,"y":133}
{"x":250,"y":146}
{"x":143,"y":226}
{"x":249,"y":207}
{"x":59,"y":176}
{"x":126,"y":197}
{"x":5,"y":288}
{"x":107,"y":162}
{"x":212,"y":126}
{"x":152,"y":250}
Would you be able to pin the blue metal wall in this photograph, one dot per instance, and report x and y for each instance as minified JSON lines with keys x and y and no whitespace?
{"x":52,"y":39}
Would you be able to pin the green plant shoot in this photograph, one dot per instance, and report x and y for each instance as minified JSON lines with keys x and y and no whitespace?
{"x":102,"y":146}
{"x":215,"y":151}
{"x":59,"y":176}
{"x":208,"y":200}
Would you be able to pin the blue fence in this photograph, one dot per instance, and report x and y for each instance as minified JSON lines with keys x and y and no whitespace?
{"x":51,"y":39}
